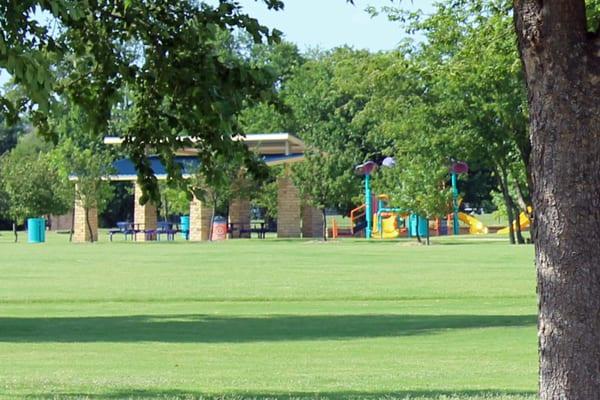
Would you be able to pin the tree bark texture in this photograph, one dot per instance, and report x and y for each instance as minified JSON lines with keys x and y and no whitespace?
{"x":562,"y":69}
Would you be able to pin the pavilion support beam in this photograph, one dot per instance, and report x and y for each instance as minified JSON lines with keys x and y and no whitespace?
{"x":239,"y":215}
{"x":288,"y":208}
{"x":312,"y":222}
{"x":200,"y":219}
{"x":239,"y":207}
{"x":144,"y":216}
{"x":84,"y":230}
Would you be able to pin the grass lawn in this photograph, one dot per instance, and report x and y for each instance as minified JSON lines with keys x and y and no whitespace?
{"x":267,"y":319}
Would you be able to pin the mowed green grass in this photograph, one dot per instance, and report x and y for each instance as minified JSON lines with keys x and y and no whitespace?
{"x":267,"y":319}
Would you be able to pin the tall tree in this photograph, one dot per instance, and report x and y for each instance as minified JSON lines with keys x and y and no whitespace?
{"x":167,"y":54}
{"x":562,"y":67}
{"x":91,"y":169}
{"x":327,"y":180}
{"x":32,"y":187}
{"x":327,"y":96}
{"x":466,"y":95}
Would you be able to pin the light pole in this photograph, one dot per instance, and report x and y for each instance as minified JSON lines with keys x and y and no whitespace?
{"x":367,"y":169}
{"x":455,"y":228}
{"x":457,"y":167}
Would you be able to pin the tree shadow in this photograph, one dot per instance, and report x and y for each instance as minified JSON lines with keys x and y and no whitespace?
{"x":134,"y":394}
{"x":198,"y":328}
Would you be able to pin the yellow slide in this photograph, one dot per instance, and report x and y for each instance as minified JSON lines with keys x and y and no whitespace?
{"x":475,"y":225}
{"x":523,"y":219}
{"x":389,"y":227}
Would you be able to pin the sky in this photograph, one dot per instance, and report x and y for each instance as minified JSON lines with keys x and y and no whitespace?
{"x":332,"y":23}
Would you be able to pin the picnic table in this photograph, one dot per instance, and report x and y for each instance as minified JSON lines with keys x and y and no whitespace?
{"x":132,"y":229}
{"x":242,"y":229}
{"x":126,"y":229}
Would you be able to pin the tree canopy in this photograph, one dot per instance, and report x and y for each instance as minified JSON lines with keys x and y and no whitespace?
{"x":167,"y":56}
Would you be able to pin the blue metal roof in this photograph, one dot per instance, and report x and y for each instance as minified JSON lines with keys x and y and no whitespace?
{"x":124,"y":169}
{"x":125,"y":166}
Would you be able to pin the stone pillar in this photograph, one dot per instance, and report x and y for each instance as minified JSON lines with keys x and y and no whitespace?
{"x":200,"y":218}
{"x":144,"y":215}
{"x":288,"y":209}
{"x":239,"y":215}
{"x":81,"y":231}
{"x":312,"y":222}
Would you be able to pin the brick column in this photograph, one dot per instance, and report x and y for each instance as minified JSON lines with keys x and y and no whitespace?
{"x":312,"y":222}
{"x":200,"y":218}
{"x":144,"y":215}
{"x":288,"y":209}
{"x":81,"y":232}
{"x":239,"y":213}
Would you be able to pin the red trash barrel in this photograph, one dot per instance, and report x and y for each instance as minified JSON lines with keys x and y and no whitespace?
{"x":219,"y":228}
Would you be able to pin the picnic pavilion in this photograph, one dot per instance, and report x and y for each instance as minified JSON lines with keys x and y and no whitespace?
{"x":294,"y":218}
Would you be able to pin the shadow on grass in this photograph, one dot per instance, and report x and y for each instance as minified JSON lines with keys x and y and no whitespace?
{"x":413,"y":395}
{"x":187,"y":328}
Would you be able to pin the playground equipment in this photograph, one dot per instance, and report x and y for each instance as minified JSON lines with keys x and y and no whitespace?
{"x":385,"y":226}
{"x":475,"y":226}
{"x":524,"y":222}
{"x":387,"y":223}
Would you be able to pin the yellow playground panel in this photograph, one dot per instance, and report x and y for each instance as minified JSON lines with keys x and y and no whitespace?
{"x":389,"y":226}
{"x":524,"y":222}
{"x":476,"y":227}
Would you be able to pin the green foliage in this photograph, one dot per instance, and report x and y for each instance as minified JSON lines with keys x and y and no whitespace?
{"x":30,"y":145}
{"x":266,"y":194}
{"x":327,"y":96}
{"x":90,"y":170}
{"x":593,"y":15}
{"x":32,"y":187}
{"x":458,"y":94}
{"x":9,"y":135}
{"x":284,"y":60}
{"x":173,"y":200}
{"x":327,"y":180}
{"x":417,"y":185}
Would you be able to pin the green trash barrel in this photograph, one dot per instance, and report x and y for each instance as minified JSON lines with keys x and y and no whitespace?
{"x":184,"y":221}
{"x":36,"y":230}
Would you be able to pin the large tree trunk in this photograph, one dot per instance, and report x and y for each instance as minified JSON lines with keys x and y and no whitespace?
{"x":562,"y":68}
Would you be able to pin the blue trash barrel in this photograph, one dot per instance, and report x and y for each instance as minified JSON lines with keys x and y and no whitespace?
{"x":417,"y":222}
{"x":443,"y":227}
{"x":184,"y":221}
{"x":36,"y":230}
